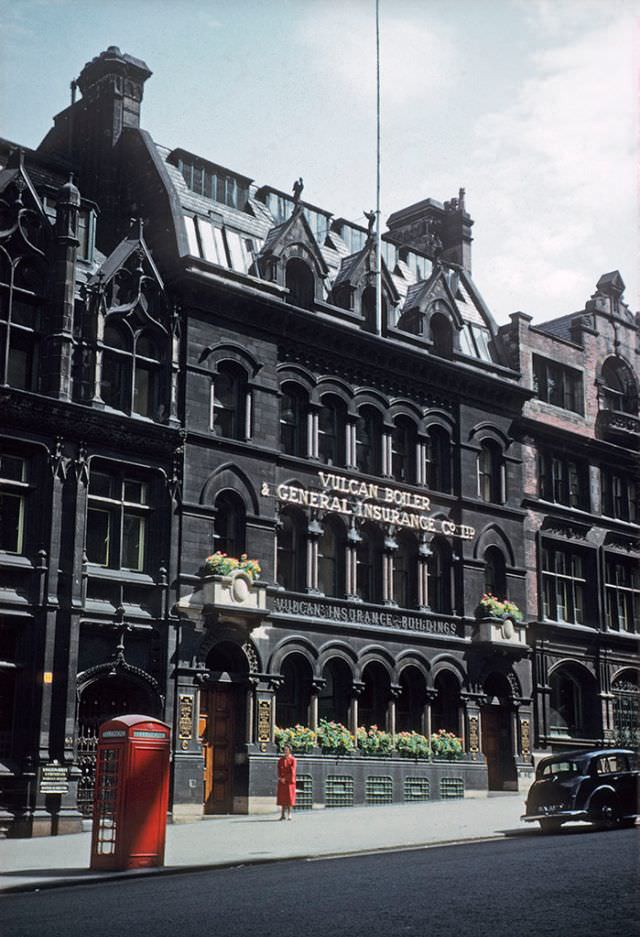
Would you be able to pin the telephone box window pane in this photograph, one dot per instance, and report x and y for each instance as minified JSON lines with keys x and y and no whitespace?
{"x":98,"y":536}
{"x":133,"y":542}
{"x":11,"y":523}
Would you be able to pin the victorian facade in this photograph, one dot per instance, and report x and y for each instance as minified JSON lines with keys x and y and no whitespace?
{"x":216,"y":379}
{"x":580,"y":437}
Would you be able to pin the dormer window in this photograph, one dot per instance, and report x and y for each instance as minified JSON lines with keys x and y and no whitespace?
{"x":300,"y":282}
{"x":441,"y":335}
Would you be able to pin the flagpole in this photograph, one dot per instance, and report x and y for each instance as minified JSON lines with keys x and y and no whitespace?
{"x":378,"y":232}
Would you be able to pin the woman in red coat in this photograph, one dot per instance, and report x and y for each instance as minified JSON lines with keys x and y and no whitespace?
{"x":286,"y":795}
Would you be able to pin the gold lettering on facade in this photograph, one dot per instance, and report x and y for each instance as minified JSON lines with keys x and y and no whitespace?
{"x":356,"y":498}
{"x":474,"y":736}
{"x":264,"y":721}
{"x":185,"y":717}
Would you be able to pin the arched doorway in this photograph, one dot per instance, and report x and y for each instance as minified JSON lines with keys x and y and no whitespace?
{"x":103,"y":697}
{"x":222,"y":726}
{"x":626,"y":709}
{"x":497,"y":734}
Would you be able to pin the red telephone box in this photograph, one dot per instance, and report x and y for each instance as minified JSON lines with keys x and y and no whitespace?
{"x":131,"y":793}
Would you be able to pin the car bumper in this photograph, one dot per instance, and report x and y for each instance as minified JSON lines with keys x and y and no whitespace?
{"x":555,"y":815}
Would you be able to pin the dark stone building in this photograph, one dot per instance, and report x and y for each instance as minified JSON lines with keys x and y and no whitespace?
{"x":193,"y":362}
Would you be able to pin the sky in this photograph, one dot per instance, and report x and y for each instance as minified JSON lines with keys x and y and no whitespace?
{"x":530,"y":105}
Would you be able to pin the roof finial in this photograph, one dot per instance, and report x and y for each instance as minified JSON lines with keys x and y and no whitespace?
{"x":371,"y":222}
{"x":298,"y":186}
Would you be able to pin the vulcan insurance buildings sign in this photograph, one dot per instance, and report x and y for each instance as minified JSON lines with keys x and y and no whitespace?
{"x":363,"y":500}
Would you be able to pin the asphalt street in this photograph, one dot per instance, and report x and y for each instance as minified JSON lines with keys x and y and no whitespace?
{"x":527,"y":885}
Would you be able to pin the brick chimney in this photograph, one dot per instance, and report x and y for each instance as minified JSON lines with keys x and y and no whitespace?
{"x":437,"y":230}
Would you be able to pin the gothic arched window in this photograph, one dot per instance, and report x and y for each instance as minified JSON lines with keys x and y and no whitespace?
{"x":438,"y":459}
{"x":490,"y":472}
{"x":300,"y":282}
{"x":403,"y":450}
{"x":619,"y":390}
{"x":369,"y":441}
{"x":292,"y":552}
{"x":369,"y":564}
{"x":229,"y":524}
{"x":332,"y":421}
{"x":441,"y":335}
{"x":331,"y":558}
{"x":405,"y":571}
{"x":293,"y":420}
{"x":495,"y":575}
{"x":440,"y":577}
{"x":229,"y":401}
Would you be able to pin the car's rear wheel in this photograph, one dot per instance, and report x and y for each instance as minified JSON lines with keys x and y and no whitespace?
{"x":550,"y":825}
{"x":606,"y":815}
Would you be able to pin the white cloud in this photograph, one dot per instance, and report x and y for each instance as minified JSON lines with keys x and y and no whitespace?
{"x":553,"y":176}
{"x":415,"y":55}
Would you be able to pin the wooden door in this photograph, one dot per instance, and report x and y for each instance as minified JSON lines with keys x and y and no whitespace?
{"x":217,"y":727}
{"x":496,"y":744}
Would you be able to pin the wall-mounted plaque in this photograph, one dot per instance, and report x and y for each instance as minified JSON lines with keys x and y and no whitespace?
{"x":185,"y":717}
{"x":54,"y":779}
{"x":264,"y":720}
{"x":525,"y":742}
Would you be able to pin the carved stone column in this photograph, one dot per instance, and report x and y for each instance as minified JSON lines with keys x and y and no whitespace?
{"x":312,"y":431}
{"x":387,"y":459}
{"x":394,"y":695}
{"x":316,"y":685}
{"x":390,"y":548}
{"x":351,"y":442}
{"x":314,"y":532}
{"x":431,"y":696}
{"x":424,"y":552}
{"x":357,"y":688}
{"x":351,"y":562}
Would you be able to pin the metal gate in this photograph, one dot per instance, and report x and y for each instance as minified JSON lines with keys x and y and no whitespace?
{"x":626,"y":713}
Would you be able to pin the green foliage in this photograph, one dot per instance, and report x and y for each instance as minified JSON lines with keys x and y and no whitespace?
{"x":335,"y":738}
{"x":219,"y":564}
{"x":446,"y":744}
{"x":496,"y":608}
{"x":412,"y":745}
{"x":374,"y":741}
{"x":300,"y":739}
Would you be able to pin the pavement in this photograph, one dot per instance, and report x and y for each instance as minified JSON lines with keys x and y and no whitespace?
{"x":218,"y":842}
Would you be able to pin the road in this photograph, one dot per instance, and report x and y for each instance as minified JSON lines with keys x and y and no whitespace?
{"x":527,"y":885}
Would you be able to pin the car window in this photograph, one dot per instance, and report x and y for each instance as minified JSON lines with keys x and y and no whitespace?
{"x":607,"y":764}
{"x":566,"y":767}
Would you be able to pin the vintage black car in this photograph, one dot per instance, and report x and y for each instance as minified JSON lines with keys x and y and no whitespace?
{"x":601,"y":786}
